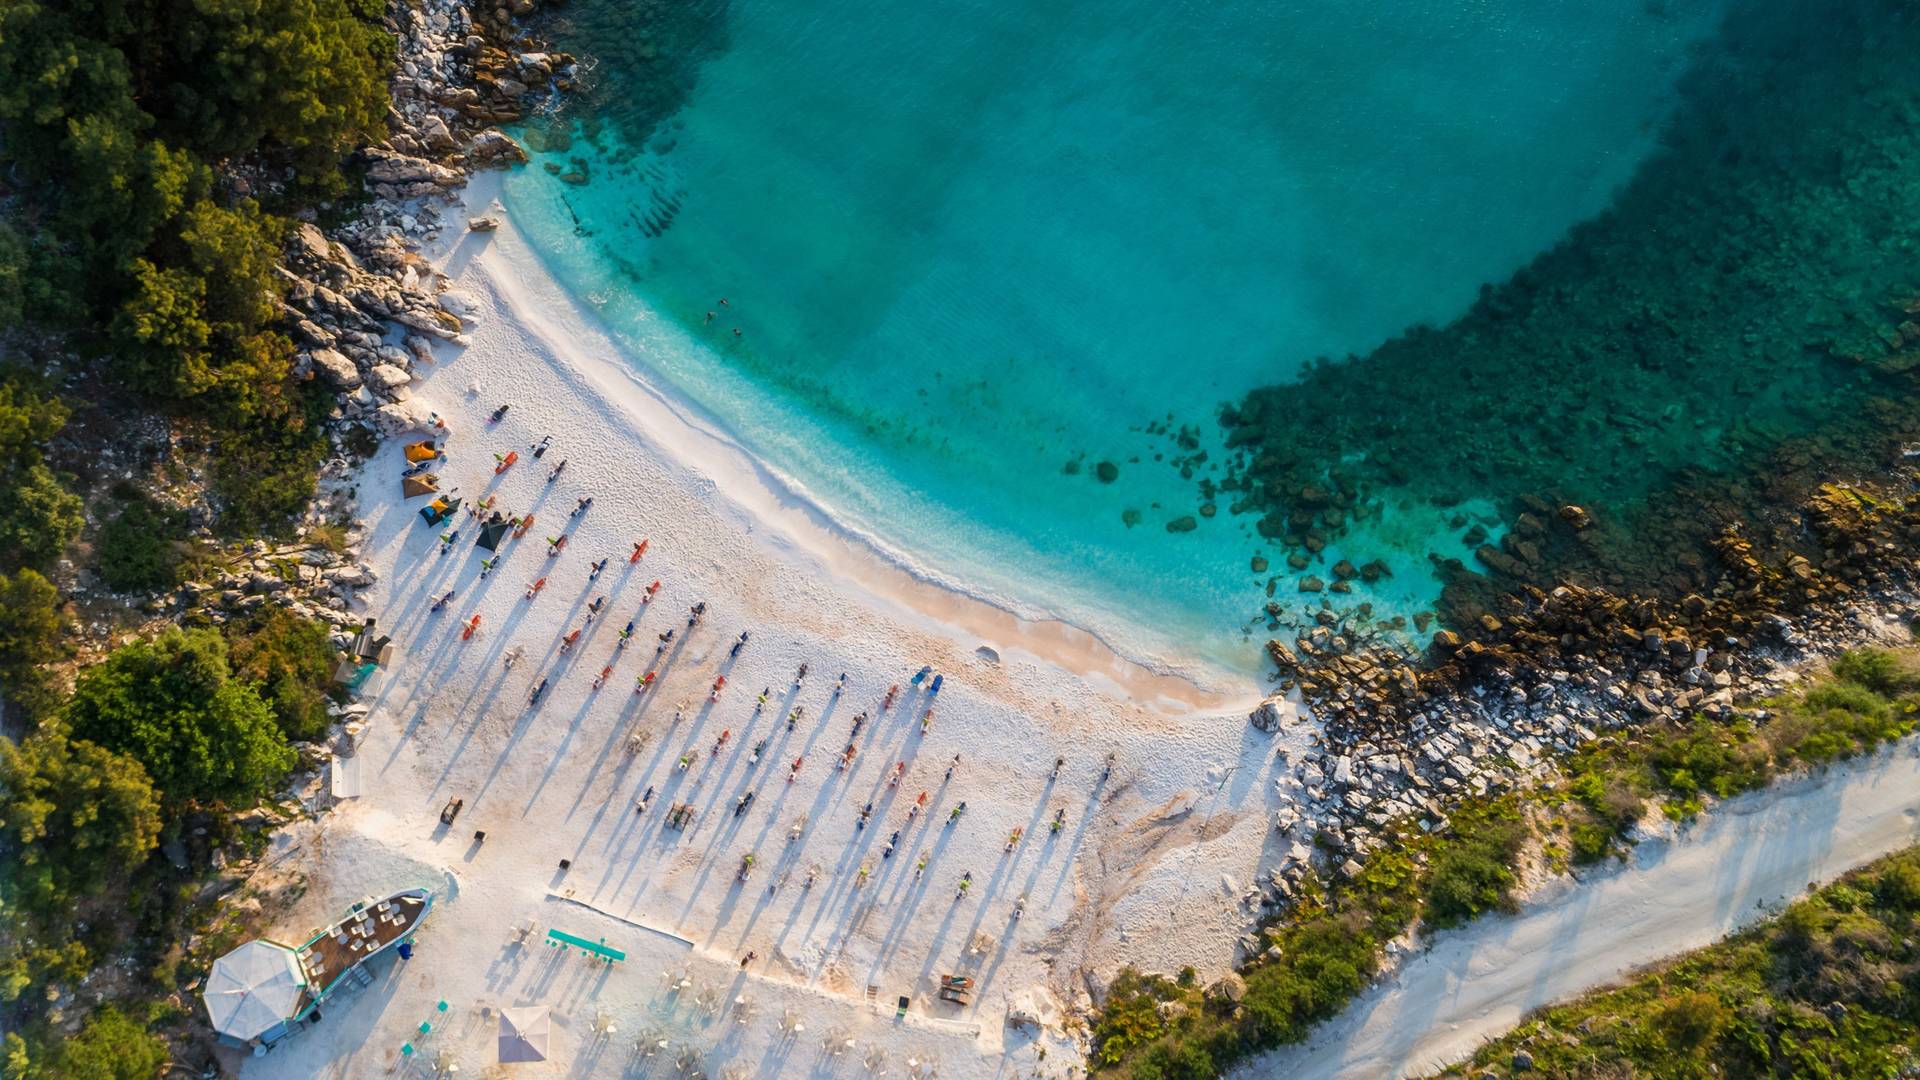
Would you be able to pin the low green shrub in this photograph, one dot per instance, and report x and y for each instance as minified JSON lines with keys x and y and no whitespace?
{"x":292,"y":661}
{"x":139,"y":550}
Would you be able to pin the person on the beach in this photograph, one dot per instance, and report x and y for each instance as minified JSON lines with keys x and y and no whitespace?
{"x":555,"y":474}
{"x":597,"y":567}
{"x":748,"y":959}
{"x":581,"y":506}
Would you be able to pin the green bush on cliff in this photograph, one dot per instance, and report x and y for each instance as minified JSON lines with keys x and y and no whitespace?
{"x":110,"y":1046}
{"x":39,"y":517}
{"x":1474,"y":872}
{"x":173,"y":705}
{"x":31,"y":626}
{"x":292,"y":660}
{"x":74,"y":819}
{"x":138,"y":549}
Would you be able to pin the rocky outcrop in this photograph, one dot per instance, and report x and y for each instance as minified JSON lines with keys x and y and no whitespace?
{"x":362,"y":302}
{"x":1488,"y":708}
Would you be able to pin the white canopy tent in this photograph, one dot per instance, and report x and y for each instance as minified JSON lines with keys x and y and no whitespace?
{"x":524,"y":1033}
{"x":253,"y":990}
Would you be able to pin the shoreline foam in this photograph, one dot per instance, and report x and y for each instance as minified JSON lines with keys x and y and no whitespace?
{"x":766,"y":495}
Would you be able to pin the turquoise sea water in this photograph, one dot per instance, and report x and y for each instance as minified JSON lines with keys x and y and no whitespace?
{"x":975,"y":249}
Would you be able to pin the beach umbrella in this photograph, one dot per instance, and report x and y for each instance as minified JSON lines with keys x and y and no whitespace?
{"x":254,"y":989}
{"x":525,"y":1033}
{"x":492,"y":534}
{"x":423,"y":484}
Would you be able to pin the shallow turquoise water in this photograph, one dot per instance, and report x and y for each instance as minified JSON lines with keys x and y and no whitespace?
{"x":968,"y":244}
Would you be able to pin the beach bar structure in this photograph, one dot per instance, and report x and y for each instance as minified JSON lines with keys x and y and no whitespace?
{"x":262,"y":991}
{"x":255,"y":991}
{"x":596,"y":949}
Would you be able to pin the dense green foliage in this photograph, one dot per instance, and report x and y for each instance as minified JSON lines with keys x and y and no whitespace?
{"x":292,"y":660}
{"x":1830,"y":988}
{"x":264,"y":480}
{"x":173,"y":705}
{"x":138,"y":550}
{"x":119,"y":113}
{"x":30,"y":632}
{"x":74,"y":817}
{"x":110,"y":1046}
{"x":38,"y":515}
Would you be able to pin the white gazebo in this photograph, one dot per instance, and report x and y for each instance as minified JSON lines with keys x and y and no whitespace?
{"x":253,"y":990}
{"x":524,"y":1033}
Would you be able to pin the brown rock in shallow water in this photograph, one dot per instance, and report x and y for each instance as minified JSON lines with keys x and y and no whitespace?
{"x":1297,"y":561}
{"x":1107,"y":471}
{"x":1345,"y":570}
{"x":1311,"y":584}
{"x":1182,"y":524}
{"x":1575,"y":516}
{"x":1259,"y":564}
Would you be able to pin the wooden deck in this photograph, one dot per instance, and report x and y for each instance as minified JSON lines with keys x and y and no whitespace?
{"x":372,"y":927}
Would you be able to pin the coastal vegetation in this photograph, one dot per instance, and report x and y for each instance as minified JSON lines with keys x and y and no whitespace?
{"x":162,"y":143}
{"x":157,"y":154}
{"x":1327,"y":944}
{"x":1828,"y":987}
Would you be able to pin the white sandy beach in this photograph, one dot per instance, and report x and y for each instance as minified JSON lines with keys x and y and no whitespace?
{"x":1148,"y":869}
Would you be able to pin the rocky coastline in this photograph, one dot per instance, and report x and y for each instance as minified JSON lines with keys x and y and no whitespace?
{"x":1404,"y":735}
{"x":365,"y":306}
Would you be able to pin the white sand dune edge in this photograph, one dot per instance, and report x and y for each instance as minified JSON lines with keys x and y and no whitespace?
{"x":1744,"y":859}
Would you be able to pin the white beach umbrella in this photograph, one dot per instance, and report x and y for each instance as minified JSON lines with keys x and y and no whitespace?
{"x":254,"y":989}
{"x":525,"y":1033}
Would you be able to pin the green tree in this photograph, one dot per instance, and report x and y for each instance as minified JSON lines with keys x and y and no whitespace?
{"x":73,"y":816}
{"x":39,"y":517}
{"x":292,"y":659}
{"x":173,"y":705}
{"x":30,"y":629}
{"x":110,"y":1046}
{"x":27,"y":420}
